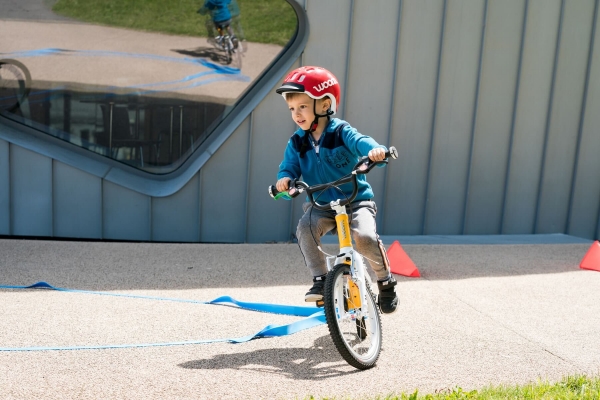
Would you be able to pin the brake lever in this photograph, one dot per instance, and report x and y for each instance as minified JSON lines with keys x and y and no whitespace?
{"x":365,"y":165}
{"x":294,"y":191}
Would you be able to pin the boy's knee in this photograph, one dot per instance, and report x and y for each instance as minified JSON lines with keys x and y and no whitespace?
{"x":303,"y":227}
{"x":365,"y":239}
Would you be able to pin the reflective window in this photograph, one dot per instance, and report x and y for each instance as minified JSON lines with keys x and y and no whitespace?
{"x":137,"y":81}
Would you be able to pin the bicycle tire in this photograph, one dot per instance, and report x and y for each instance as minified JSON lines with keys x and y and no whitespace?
{"x":357,"y":338}
{"x":15,"y":82}
{"x":228,"y":51}
{"x":236,"y":58}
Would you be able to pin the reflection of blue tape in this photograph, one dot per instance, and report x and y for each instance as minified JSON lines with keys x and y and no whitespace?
{"x":97,"y":53}
{"x":233,"y":74}
{"x":220,"y":68}
{"x":313,"y":316}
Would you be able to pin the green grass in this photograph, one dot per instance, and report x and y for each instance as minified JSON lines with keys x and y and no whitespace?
{"x":570,"y":388}
{"x":263,"y":21}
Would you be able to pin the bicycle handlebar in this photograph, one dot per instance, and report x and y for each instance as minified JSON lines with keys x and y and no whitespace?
{"x":364,"y":166}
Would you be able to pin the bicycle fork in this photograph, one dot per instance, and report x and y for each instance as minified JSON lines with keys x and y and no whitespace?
{"x":357,"y":287}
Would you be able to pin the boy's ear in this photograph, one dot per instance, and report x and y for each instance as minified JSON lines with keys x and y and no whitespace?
{"x":326,"y":104}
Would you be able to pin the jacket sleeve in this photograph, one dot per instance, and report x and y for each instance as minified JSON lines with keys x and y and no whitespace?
{"x":290,"y":166}
{"x":358,"y":143}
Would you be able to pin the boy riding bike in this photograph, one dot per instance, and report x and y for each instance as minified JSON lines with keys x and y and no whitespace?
{"x":221,"y":19}
{"x":322,"y":150}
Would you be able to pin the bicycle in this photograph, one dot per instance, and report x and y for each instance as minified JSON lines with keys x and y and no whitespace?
{"x":229,"y":43}
{"x":350,"y":308}
{"x":15,"y":83}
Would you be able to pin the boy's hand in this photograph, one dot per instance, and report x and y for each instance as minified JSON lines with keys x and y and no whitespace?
{"x":377,"y":154}
{"x":283,"y":184}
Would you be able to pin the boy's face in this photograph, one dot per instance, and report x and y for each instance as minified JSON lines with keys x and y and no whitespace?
{"x":301,"y":107}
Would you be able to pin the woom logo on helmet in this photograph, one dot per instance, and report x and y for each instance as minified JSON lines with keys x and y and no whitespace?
{"x":324,"y":85}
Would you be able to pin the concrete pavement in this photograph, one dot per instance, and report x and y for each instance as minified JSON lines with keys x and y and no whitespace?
{"x":479,"y":315}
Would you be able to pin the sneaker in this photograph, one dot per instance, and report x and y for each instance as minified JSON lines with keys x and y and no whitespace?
{"x":316,"y":291}
{"x":387,"y":300}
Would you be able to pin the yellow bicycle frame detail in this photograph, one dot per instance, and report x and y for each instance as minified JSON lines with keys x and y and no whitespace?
{"x":343,"y":230}
{"x":353,"y":295}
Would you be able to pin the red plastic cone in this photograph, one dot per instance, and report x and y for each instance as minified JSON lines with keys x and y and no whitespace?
{"x":591,"y":260}
{"x":400,"y":262}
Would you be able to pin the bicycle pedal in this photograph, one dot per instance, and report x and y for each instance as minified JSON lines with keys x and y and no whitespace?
{"x":320,"y":303}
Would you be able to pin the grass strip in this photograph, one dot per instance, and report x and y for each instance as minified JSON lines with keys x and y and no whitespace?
{"x":263,"y":21}
{"x":576,"y":387}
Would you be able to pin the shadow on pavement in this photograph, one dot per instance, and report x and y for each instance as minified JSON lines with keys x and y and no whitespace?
{"x":204,"y":52}
{"x":163,"y":266}
{"x":293,"y":363}
{"x":446,"y":262}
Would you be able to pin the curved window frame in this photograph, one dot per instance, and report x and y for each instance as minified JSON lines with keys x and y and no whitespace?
{"x":165,"y":184}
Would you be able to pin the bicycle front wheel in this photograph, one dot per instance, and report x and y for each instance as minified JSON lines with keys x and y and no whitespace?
{"x":356,"y":335}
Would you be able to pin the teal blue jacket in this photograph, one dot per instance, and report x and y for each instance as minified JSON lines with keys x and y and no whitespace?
{"x":219,"y":9}
{"x":339,"y":149}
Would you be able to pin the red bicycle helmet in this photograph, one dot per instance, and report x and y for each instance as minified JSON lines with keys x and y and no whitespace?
{"x":316,"y":82}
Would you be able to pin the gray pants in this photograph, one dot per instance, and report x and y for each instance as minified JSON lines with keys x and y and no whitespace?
{"x":362,"y":224}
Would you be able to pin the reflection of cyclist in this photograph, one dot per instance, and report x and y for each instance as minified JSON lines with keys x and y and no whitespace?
{"x":220,"y":14}
{"x":323,"y":150}
{"x":236,"y":23}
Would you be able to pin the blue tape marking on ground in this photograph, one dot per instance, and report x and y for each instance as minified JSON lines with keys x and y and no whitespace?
{"x":316,"y":319}
{"x":313,"y":316}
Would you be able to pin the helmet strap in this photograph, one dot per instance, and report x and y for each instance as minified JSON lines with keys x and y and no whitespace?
{"x":315,"y":123}
{"x":313,"y":127}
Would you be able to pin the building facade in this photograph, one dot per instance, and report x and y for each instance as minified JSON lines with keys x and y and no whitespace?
{"x":492,"y":106}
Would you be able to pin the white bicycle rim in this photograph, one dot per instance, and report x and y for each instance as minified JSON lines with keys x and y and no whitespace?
{"x":356,"y":336}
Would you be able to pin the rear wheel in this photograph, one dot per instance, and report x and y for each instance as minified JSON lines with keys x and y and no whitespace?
{"x":15,"y":82}
{"x":356,"y":335}
{"x":228,"y":50}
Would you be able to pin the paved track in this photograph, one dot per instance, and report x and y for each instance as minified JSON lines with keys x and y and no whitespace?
{"x":480,"y":314}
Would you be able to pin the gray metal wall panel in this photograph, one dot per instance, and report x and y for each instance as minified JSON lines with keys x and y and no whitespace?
{"x":268,"y":220}
{"x":551,"y":169}
{"x":77,"y":203}
{"x":30,"y":193}
{"x":126,"y":214}
{"x":412,"y":119}
{"x":531,"y":114}
{"x":499,"y":71}
{"x":223,"y":190}
{"x":4,"y":189}
{"x":370,"y":83}
{"x":454,"y":117}
{"x":565,"y":114}
{"x":176,"y":218}
{"x":325,"y":37}
{"x":584,"y":216}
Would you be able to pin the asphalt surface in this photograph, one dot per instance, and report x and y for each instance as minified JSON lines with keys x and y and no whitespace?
{"x":479,"y":315}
